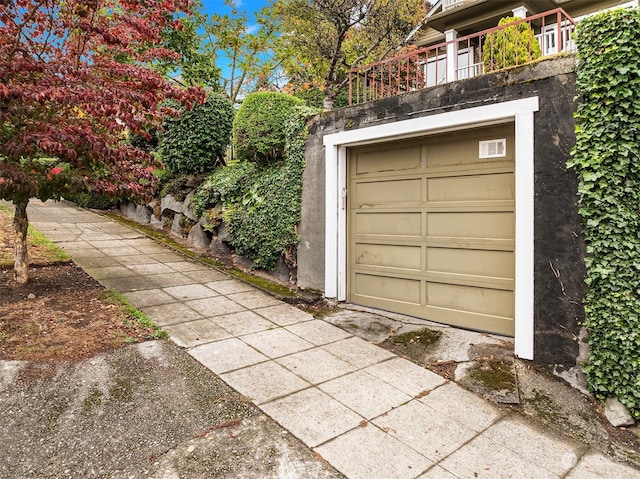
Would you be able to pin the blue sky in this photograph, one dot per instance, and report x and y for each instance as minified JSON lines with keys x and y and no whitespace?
{"x":218,"y":6}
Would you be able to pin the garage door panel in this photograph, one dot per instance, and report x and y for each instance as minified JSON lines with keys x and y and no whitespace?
{"x":498,"y":225}
{"x":465,"y":319}
{"x":475,"y":262}
{"x":453,"y":297}
{"x":471,"y":188}
{"x":388,"y":288}
{"x":373,"y":194}
{"x":388,"y":224}
{"x":432,"y":229}
{"x":396,"y":159}
{"x":390,"y":256}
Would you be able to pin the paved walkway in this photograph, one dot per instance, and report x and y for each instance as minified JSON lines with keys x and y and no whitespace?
{"x":366,"y":411}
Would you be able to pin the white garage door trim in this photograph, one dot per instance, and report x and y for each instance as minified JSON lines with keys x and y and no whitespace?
{"x":519,"y":111}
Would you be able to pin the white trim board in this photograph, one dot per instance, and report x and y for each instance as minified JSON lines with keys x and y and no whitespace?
{"x":521,"y":112}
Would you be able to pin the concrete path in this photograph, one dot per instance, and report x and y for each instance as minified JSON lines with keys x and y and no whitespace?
{"x":366,"y":411}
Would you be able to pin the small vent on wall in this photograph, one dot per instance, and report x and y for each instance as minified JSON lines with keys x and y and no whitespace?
{"x":493,"y":148}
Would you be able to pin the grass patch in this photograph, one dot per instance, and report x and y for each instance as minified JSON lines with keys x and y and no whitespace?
{"x":423,"y":337}
{"x":137,"y":318}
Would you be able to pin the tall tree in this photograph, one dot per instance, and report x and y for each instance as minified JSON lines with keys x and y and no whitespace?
{"x":243,"y":50}
{"x":72,"y":84}
{"x":322,"y":40}
{"x":195,"y":60}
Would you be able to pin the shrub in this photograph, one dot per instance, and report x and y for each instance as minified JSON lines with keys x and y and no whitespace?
{"x":606,"y":160}
{"x":196,"y":141}
{"x":511,"y":46}
{"x":259,"y":131}
{"x":261,"y":203}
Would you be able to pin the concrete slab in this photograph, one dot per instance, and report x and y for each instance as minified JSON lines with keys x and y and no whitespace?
{"x":80,"y":248}
{"x":542,"y":449}
{"x":194,"y":333}
{"x":124,"y":285}
{"x":484,"y":459}
{"x":187,"y":266}
{"x":312,"y":416}
{"x":166,"y":280}
{"x":358,"y":352}
{"x":152,"y":248}
{"x":190,"y":291}
{"x":596,"y":466}
{"x":437,"y":472}
{"x":368,"y":453}
{"x":120,"y":251}
{"x":316,"y":365}
{"x":108,"y":243}
{"x":165,"y":257}
{"x":284,"y":314}
{"x":425,"y":430}
{"x":254,"y":299}
{"x":108,"y":272}
{"x":406,"y":376}
{"x":277,"y":342}
{"x":264,"y":382}
{"x":146,"y":269}
{"x":365,"y":394}
{"x":150,"y":297}
{"x":229,"y":286}
{"x":242,"y":323}
{"x":216,"y":306}
{"x":463,"y":406}
{"x":227,"y":355}
{"x":318,"y":332}
{"x":171,"y":313}
{"x":205,"y":275}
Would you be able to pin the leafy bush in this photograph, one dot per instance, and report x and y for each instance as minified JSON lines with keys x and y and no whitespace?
{"x":91,"y":200}
{"x":196,"y":141}
{"x":511,"y":46}
{"x":261,"y":203}
{"x":259,"y":132}
{"x":225,"y":185}
{"x":607,"y":160}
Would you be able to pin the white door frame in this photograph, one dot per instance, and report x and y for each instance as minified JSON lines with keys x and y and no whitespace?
{"x":521,"y":112}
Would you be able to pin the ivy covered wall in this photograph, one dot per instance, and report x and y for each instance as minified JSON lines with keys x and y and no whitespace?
{"x":606,"y":158}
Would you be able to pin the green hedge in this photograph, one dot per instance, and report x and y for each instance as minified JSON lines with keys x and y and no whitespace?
{"x":511,"y":46}
{"x":196,"y":141}
{"x":259,"y":128}
{"x":260,"y":203}
{"x":607,"y":160}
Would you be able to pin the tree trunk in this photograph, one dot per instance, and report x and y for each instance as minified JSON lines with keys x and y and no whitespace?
{"x":327,"y":102}
{"x":20,"y":253}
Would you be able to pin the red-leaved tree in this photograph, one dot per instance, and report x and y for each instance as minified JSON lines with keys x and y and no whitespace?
{"x":73,"y":84}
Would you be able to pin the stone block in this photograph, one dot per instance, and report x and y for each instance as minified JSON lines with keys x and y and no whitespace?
{"x":617,"y":413}
{"x":198,"y":237}
{"x":218,"y":247}
{"x":176,"y":227}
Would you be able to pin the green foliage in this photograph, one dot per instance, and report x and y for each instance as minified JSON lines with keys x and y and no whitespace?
{"x":511,"y":46}
{"x":606,"y":160}
{"x":93,"y":201}
{"x":259,"y":128}
{"x":196,"y":141}
{"x":260,"y":204}
{"x":225,"y":185}
{"x":195,"y":57}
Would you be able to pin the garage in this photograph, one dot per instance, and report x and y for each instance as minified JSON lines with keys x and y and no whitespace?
{"x":431,"y":227}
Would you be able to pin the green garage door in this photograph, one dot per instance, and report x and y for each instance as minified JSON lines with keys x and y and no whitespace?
{"x":431,"y":228}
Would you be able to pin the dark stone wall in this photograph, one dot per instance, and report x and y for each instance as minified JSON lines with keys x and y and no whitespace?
{"x":559,"y":247}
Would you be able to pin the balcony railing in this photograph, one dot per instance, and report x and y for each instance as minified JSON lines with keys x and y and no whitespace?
{"x":457,"y":59}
